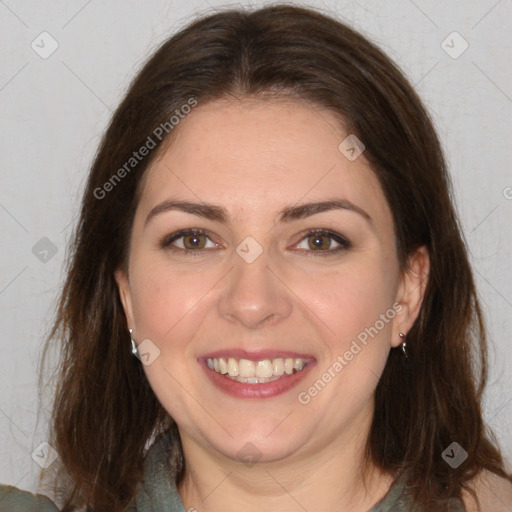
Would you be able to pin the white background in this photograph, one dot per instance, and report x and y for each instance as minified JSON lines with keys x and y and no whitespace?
{"x":54,"y":110}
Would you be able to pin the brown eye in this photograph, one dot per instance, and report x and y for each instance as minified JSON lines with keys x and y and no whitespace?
{"x":188,"y":240}
{"x":322,"y":242}
{"x":194,"y":241}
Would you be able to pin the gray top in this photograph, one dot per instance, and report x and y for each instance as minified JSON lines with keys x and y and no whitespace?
{"x":158,"y":493}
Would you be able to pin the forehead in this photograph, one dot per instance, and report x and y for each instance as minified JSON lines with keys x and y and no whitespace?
{"x":259,"y":155}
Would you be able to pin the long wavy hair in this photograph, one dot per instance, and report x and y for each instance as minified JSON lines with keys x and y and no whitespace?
{"x":105,"y":414}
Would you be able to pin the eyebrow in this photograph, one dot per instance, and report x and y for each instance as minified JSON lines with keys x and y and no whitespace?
{"x":208,"y":211}
{"x":302,"y":211}
{"x":288,"y":214}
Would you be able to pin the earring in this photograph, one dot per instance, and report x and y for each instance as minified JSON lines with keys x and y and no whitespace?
{"x":135,"y":352}
{"x":404,"y":344}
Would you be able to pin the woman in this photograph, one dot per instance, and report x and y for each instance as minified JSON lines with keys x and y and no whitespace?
{"x":267,"y":227}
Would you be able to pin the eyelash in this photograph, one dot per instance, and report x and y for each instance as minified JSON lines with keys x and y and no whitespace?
{"x":343,"y":242}
{"x":167,"y":242}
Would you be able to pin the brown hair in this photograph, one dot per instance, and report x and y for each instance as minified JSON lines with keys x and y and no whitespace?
{"x":105,"y":411}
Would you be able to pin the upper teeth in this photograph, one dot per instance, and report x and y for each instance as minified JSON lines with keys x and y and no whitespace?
{"x":264,"y":368}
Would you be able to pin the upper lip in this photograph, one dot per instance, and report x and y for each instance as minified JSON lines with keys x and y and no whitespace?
{"x":256,"y":355}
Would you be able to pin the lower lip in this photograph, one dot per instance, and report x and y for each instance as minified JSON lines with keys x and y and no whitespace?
{"x":264,"y":390}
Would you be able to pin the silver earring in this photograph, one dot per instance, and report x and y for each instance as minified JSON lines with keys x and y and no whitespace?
{"x":404,"y":344}
{"x":135,"y":352}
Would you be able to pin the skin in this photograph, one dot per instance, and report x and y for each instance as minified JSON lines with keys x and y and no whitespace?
{"x":254,"y":158}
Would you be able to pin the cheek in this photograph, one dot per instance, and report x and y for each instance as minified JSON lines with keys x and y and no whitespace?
{"x":163,"y":299}
{"x":349,"y":300}
{"x":355,"y":307}
{"x":168,"y":308}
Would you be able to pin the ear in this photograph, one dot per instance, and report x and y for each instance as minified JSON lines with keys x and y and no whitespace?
{"x":411,"y":291}
{"x":123,"y":284}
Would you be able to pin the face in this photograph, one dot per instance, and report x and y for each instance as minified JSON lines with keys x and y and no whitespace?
{"x":260,"y":249}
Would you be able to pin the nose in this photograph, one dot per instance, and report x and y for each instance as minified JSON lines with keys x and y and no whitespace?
{"x":253,"y":296}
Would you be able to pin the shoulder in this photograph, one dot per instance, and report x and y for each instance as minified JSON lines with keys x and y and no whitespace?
{"x":493,"y":492}
{"x":16,"y":500}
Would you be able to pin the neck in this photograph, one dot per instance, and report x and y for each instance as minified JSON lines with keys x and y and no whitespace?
{"x":330,"y":478}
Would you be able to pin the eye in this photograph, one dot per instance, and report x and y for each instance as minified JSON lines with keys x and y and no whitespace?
{"x":188,"y":240}
{"x":322,"y":241}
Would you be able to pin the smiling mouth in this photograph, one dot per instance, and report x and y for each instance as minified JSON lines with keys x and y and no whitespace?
{"x":256,"y":372}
